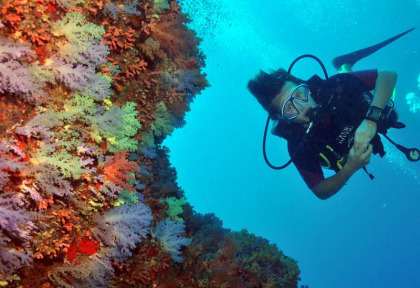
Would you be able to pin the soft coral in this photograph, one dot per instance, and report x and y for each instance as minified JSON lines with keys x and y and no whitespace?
{"x":118,"y":170}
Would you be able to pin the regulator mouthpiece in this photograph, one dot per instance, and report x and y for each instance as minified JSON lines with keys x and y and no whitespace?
{"x":316,"y":115}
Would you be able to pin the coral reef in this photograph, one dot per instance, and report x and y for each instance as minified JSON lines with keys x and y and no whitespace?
{"x":88,"y":91}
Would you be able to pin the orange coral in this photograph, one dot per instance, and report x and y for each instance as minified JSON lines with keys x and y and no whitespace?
{"x":117,"y":170}
{"x":13,"y":17}
{"x":45,"y":203}
{"x":132,"y":70}
{"x":117,"y":39}
{"x":50,"y":245}
{"x":38,"y":37}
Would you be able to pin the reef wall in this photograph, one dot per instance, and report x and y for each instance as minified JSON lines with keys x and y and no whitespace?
{"x":89,"y":90}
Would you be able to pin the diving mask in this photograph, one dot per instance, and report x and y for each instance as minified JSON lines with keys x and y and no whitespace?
{"x":297,"y":102}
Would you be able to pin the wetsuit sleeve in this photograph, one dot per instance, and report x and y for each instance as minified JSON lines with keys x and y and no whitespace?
{"x":307,"y":164}
{"x":368,"y":77}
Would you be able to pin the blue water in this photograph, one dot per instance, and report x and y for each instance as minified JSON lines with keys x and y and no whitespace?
{"x":368,"y":234}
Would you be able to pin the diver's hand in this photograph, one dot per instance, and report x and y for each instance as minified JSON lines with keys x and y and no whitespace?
{"x":364,"y":134}
{"x":358,"y":159}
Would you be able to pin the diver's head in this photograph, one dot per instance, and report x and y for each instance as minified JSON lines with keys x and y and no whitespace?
{"x":282,"y":95}
{"x":293,"y":102}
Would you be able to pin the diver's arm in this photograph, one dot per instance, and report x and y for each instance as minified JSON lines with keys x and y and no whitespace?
{"x":331,"y":185}
{"x":385,"y":84}
{"x":356,"y":160}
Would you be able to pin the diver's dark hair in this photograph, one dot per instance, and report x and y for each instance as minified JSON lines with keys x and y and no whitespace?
{"x":265,"y":86}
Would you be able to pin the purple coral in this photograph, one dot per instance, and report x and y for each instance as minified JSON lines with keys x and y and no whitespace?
{"x":186,"y":81}
{"x":123,"y":226}
{"x":131,"y":8}
{"x":169,"y":234}
{"x":8,"y":163}
{"x":14,"y":73}
{"x":73,"y":76}
{"x":15,"y":225}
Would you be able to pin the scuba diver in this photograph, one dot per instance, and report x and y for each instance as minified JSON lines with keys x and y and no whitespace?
{"x":332,"y":123}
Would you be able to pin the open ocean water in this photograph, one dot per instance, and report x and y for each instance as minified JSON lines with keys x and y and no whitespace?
{"x":368,"y":234}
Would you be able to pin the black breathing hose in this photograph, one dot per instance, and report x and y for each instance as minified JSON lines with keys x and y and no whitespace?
{"x":268,"y":119}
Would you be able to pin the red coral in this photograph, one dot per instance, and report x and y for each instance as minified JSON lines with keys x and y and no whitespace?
{"x":192,"y":63}
{"x":51,"y":7}
{"x":85,"y":246}
{"x":42,"y":54}
{"x":71,"y":253}
{"x":173,"y":35}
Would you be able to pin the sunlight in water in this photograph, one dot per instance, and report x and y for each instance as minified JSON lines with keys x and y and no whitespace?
{"x":413,"y":99}
{"x":399,"y":161}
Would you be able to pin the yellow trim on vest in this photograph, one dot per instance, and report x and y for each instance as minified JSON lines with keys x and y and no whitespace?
{"x":339,"y":163}
{"x":326,"y":161}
